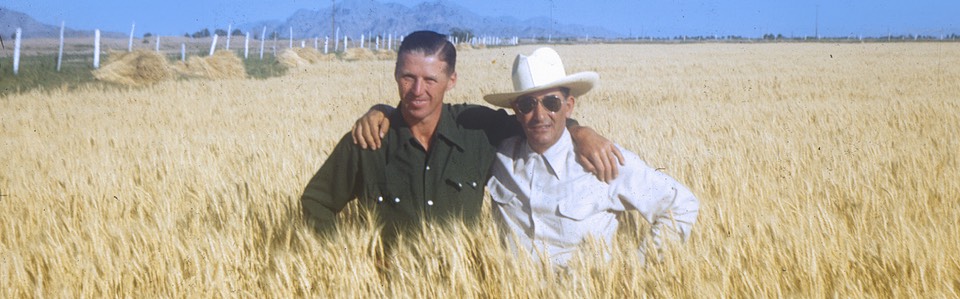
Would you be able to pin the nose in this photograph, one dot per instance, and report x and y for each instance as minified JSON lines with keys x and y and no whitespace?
{"x":417,"y":89}
{"x":539,"y":111}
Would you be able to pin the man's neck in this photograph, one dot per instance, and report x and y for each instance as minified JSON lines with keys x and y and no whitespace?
{"x":424,"y":129}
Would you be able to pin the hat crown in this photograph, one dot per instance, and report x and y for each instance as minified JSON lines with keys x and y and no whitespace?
{"x":542,"y":67}
{"x":542,"y":70}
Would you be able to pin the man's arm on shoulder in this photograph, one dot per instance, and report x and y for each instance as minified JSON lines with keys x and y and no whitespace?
{"x":369,"y":129}
{"x":332,"y":187}
{"x":497,"y":124}
{"x":597,"y":154}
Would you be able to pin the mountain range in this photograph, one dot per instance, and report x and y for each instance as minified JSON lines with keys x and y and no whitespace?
{"x":357,"y":17}
{"x":369,"y":16}
{"x":10,"y":20}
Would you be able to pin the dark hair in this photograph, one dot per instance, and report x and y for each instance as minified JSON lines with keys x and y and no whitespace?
{"x":429,"y":43}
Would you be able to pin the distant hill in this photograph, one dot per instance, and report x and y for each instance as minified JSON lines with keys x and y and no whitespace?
{"x":355,"y":18}
{"x":10,"y":20}
{"x":369,"y":16}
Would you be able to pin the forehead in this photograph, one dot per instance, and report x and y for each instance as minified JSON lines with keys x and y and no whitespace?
{"x":417,"y":61}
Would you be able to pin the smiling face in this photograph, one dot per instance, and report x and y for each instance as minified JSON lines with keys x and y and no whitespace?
{"x":541,"y":126}
{"x":422,"y":81}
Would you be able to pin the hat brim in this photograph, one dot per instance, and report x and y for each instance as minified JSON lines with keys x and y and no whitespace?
{"x":579,"y":84}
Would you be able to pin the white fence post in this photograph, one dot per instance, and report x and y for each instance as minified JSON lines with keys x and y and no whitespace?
{"x":316,"y":43}
{"x":345,"y":43}
{"x":246,"y":45}
{"x":60,"y":53}
{"x":361,"y":40}
{"x":158,"y":43}
{"x":183,"y":52}
{"x":326,"y":44}
{"x":336,"y":40}
{"x":390,"y":42}
{"x":96,"y":49}
{"x":378,"y":42}
{"x":263,"y":40}
{"x":213,"y":46}
{"x":229,"y":34}
{"x":303,"y":44}
{"x":130,"y":42}
{"x":16,"y":51}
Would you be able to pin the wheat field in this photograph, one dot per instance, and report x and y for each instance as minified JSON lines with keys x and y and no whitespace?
{"x":823,"y":170}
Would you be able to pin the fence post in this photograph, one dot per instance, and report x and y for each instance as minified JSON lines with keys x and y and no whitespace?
{"x":130,"y":42}
{"x":158,"y":43}
{"x":336,"y":40}
{"x":96,"y":49}
{"x":345,"y":43}
{"x":390,"y":42}
{"x":60,"y":53}
{"x":229,"y":34}
{"x":361,"y":40}
{"x":263,"y":40}
{"x":326,"y":44}
{"x":16,"y":51}
{"x":213,"y":46}
{"x":316,"y":43}
{"x":183,"y":52}
{"x":246,"y":45}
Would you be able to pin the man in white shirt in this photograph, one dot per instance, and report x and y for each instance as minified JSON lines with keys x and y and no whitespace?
{"x":547,"y":203}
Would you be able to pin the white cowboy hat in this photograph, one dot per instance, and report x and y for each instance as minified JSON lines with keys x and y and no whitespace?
{"x":540,"y":71}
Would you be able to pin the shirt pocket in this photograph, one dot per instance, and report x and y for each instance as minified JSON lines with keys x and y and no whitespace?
{"x":577,"y":211}
{"x":577,"y":219}
{"x":503,"y":196}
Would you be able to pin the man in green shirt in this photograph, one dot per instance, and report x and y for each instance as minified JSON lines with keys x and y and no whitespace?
{"x":434,"y":161}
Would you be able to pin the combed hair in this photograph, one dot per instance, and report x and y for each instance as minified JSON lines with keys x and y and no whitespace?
{"x":429,"y":43}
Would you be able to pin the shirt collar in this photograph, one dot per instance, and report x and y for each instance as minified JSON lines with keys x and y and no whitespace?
{"x":555,"y":156}
{"x":446,"y":127}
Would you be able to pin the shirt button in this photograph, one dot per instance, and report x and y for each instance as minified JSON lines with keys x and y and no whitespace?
{"x":380,"y":198}
{"x":429,"y":202}
{"x":473,"y":184}
{"x":396,"y":199}
{"x":428,"y":167}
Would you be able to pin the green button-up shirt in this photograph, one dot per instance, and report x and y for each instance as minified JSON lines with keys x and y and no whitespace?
{"x":407,"y":185}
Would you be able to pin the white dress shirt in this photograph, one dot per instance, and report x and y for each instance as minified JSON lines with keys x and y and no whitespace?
{"x":552,"y":205}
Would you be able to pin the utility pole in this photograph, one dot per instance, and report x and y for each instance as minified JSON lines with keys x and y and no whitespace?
{"x":551,"y":22}
{"x":333,"y":16}
{"x":816,"y":23}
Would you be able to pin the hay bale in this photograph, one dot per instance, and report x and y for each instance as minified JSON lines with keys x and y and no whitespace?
{"x":464,"y":47}
{"x":290,"y":58}
{"x":355,"y":54}
{"x":297,"y":57}
{"x":312,"y":55}
{"x":386,"y":55}
{"x":222,"y":65}
{"x":137,"y":68}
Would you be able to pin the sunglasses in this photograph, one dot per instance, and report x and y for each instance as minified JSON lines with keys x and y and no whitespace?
{"x":526,"y":104}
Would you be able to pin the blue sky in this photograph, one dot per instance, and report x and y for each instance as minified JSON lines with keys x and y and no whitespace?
{"x":662,"y":18}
